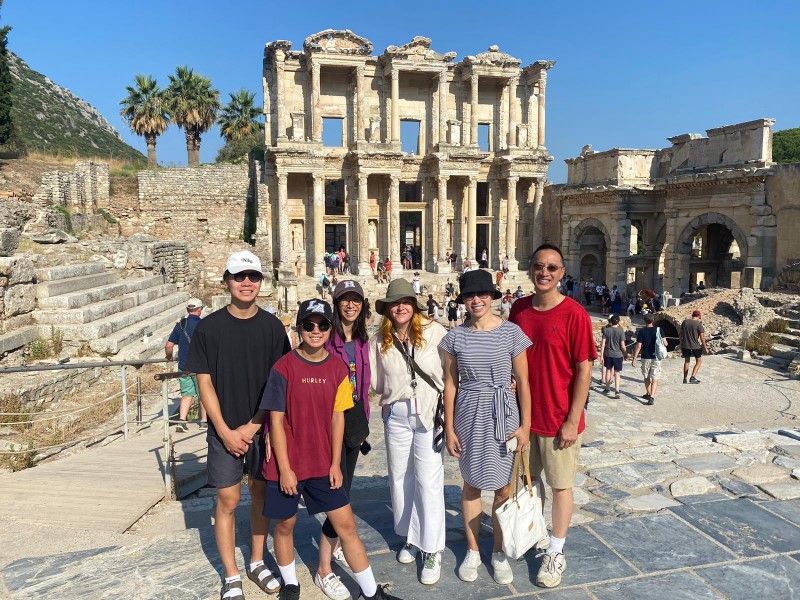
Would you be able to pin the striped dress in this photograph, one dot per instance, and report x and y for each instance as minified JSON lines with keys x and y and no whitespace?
{"x":486,"y":410}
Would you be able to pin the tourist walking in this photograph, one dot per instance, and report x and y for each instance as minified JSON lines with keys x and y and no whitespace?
{"x":416,"y":282}
{"x":306,"y":396}
{"x":482,"y":415}
{"x":452,"y":313}
{"x":232,"y":352}
{"x":466,"y":265}
{"x":613,"y":351}
{"x":484,"y":262}
{"x":651,"y":365}
{"x":693,"y":343}
{"x":181,"y":336}
{"x":505,"y":304}
{"x":348,"y":343}
{"x":407,"y":374}
{"x":616,"y":301}
{"x":560,"y":370}
{"x":325,"y":283}
{"x":433,"y":307}
{"x":373,"y":260}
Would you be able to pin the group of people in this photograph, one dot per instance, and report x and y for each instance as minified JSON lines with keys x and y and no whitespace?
{"x":296,"y":420}
{"x":337,"y":261}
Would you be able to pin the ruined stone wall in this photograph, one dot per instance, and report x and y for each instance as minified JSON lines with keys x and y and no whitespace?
{"x":744,"y":143}
{"x":83,"y":190}
{"x":17,"y":295}
{"x":783,"y":195}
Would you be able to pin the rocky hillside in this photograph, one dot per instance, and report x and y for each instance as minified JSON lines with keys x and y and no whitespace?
{"x":53,"y":120}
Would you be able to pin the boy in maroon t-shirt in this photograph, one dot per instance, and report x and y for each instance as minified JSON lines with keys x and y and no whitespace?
{"x":560,"y":371}
{"x":305,"y":396}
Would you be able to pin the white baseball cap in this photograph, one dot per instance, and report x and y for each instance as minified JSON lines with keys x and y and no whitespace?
{"x":243,"y":261}
{"x":194,"y":304}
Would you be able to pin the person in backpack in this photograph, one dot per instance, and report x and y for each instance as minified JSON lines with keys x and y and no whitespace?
{"x":181,"y":336}
{"x":325,"y":285}
{"x":651,"y":365}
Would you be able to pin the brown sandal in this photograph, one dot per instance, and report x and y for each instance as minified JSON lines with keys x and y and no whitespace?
{"x":262,"y":584}
{"x":227,"y":587}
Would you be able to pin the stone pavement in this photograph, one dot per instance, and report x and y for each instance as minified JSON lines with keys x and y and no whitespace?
{"x":700,"y":512}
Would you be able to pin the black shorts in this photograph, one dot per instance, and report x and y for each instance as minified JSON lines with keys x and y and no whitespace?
{"x":317,"y":495}
{"x":689,"y":353}
{"x":612,"y":363}
{"x":225,"y":470}
{"x":452,"y":315}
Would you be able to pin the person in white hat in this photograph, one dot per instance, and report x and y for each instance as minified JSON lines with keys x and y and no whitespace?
{"x":232,"y":353}
{"x":181,"y":336}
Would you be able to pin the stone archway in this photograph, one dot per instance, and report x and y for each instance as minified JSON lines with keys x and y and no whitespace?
{"x":703,"y":251}
{"x":590,"y":245}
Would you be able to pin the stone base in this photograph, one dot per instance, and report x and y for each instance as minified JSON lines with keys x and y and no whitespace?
{"x":363,"y":269}
{"x":513,"y":265}
{"x":397,"y":270}
{"x":442,"y":267}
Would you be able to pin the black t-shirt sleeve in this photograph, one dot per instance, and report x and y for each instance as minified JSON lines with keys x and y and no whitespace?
{"x":197,"y":361}
{"x":274,"y":396}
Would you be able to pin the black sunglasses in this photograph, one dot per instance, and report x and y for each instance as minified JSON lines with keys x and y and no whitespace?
{"x":471,"y":295}
{"x":309,"y":326}
{"x":550,"y":268}
{"x":252,"y":276}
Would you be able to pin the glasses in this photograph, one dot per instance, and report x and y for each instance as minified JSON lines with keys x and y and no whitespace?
{"x":471,"y":295}
{"x":549,"y":268}
{"x":253,"y":276}
{"x":356,"y":301}
{"x":309,"y":326}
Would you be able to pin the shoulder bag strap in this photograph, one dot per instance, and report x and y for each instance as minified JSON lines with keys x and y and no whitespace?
{"x":409,"y":361}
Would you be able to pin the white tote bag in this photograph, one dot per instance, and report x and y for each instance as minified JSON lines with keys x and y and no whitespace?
{"x":520,"y":517}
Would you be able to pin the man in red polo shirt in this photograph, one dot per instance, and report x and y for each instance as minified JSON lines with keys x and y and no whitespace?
{"x":560,"y":367}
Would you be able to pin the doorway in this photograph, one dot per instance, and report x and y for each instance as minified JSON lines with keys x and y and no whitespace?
{"x":335,"y":237}
{"x":411,"y":235}
{"x":482,"y":243}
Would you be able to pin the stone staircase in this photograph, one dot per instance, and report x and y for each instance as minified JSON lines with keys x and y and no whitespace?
{"x":785,"y":353}
{"x":122,"y":317}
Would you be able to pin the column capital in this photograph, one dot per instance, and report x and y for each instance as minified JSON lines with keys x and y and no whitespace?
{"x":442,"y":77}
{"x":473,"y":78}
{"x":442,"y":178}
{"x":362,"y":178}
{"x":315,"y":67}
{"x":513,"y":179}
{"x":360,"y":71}
{"x":318,"y":177}
{"x":395,"y":73}
{"x":394,"y":180}
{"x":513,"y":81}
{"x":282,"y":178}
{"x":473,"y":181}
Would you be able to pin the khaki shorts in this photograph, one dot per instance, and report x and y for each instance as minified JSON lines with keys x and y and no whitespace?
{"x":651,"y":368}
{"x":559,"y":466}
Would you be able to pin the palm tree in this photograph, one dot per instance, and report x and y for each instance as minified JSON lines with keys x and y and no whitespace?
{"x":193,"y":104}
{"x":145,"y":112}
{"x":238,"y":119}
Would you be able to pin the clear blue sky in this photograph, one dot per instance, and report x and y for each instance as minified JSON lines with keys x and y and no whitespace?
{"x":628,"y":74}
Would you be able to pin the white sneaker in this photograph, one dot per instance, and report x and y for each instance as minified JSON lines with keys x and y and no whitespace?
{"x":338,"y":556}
{"x":332,"y":586}
{"x":431,"y":568}
{"x":502,"y":572}
{"x":553,"y":565}
{"x":407,"y":554}
{"x":468,"y":569}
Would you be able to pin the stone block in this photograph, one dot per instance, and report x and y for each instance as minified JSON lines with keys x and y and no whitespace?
{"x":691,"y":486}
{"x":19,"y":299}
{"x":786,"y":463}
{"x":16,"y":269}
{"x":637,"y":475}
{"x":712,"y":463}
{"x":649,"y":502}
{"x":782,"y":490}
{"x":758,"y":474}
{"x":9,"y":240}
{"x":776,"y":577}
{"x":751,"y":277}
{"x":787,"y":450}
{"x":744,"y":441}
{"x":736,"y":486}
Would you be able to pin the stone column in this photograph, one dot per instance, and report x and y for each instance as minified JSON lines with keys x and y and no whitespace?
{"x":533,"y":112}
{"x":319,"y":224}
{"x":284,"y":249}
{"x":513,"y":117}
{"x":442,"y":107}
{"x":473,"y":104}
{"x":673,"y":263}
{"x":511,"y":224}
{"x":394,"y":230}
{"x":316,"y":117}
{"x":441,"y":250}
{"x":538,"y":217}
{"x":618,"y":250}
{"x":568,"y":248}
{"x":362,"y":225}
{"x":395,"y":138}
{"x":280,"y":57}
{"x":361,"y":107}
{"x":472,"y":218}
{"x":540,"y":117}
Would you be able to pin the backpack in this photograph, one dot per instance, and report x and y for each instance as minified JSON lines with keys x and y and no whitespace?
{"x":326,"y":282}
{"x":661,"y":348}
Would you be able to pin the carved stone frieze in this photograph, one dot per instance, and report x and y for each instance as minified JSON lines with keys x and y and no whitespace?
{"x":493,"y":57}
{"x":338,"y":41}
{"x":418,"y":48}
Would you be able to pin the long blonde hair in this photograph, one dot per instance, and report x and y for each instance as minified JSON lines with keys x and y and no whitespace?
{"x":419,"y":323}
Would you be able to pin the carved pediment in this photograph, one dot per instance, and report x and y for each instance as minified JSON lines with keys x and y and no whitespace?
{"x":418,"y":49}
{"x":493,"y":57}
{"x":338,"y":41}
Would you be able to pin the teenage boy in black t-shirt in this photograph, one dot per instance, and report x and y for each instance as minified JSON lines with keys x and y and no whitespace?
{"x":232,"y":352}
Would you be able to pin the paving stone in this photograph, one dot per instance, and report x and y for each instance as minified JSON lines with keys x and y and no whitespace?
{"x":675,"y":586}
{"x":609,"y":493}
{"x":736,"y":486}
{"x":649,"y":502}
{"x":637,"y":475}
{"x":652,"y":454}
{"x":559,"y":594}
{"x":787,"y":450}
{"x":581,"y":479}
{"x":743,"y":526}
{"x":603,"y":459}
{"x":782,"y":490}
{"x":776,"y":577}
{"x":788,"y":509}
{"x":660,"y":543}
{"x":580,"y":497}
{"x":758,"y":474}
{"x":745,"y":441}
{"x":710,"y":463}
{"x":786,"y":463}
{"x":700,"y":498}
{"x":796,"y":474}
{"x":602,"y":508}
{"x":691,"y":486}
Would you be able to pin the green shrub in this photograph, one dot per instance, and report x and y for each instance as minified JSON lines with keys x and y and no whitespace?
{"x":67,"y":217}
{"x":761,"y":342}
{"x":38,"y":348}
{"x":107,"y":216}
{"x":56,"y":341}
{"x":777,"y":326}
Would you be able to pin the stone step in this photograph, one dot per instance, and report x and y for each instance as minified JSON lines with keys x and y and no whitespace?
{"x":97,"y":294}
{"x":100,"y":310}
{"x":118,"y":340}
{"x":69,"y":271}
{"x":17,"y":338}
{"x":48,"y":289}
{"x":780,"y":364}
{"x":784,"y":352}
{"x":102,"y":328}
{"x":789,"y":313}
{"x":151,"y":344}
{"x":788,"y":339}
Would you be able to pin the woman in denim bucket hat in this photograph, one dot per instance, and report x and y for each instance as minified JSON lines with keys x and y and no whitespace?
{"x":406,"y":366}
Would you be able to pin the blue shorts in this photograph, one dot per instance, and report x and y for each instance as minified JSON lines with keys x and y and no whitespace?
{"x":317,"y":495}
{"x":612,"y":363}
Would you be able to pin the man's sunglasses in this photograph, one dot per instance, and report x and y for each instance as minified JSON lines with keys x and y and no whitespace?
{"x":550,"y":268}
{"x":252,"y":276}
{"x":309,"y":326}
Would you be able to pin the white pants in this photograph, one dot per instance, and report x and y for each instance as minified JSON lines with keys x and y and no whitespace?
{"x":416,"y":479}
